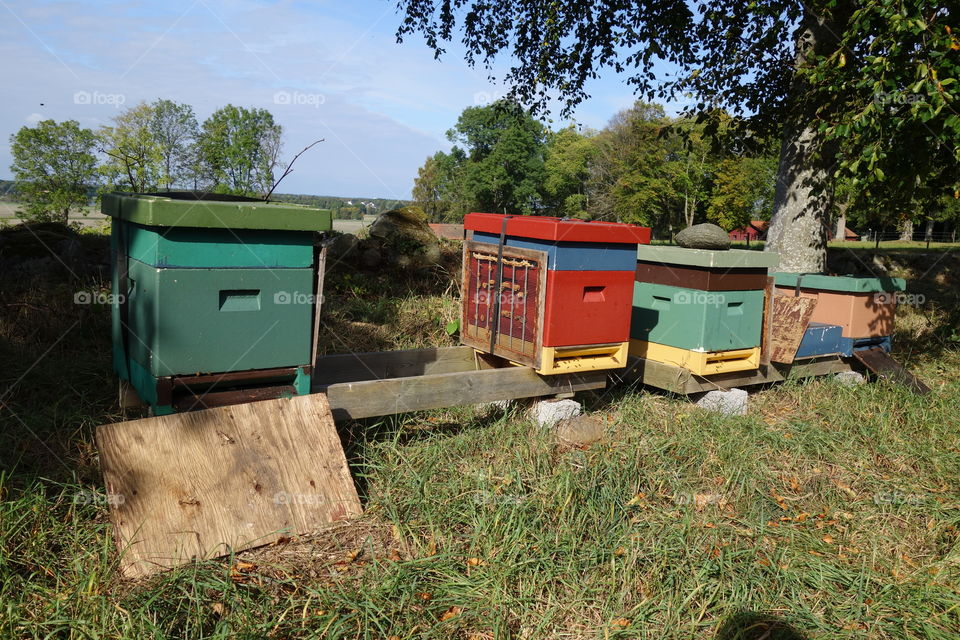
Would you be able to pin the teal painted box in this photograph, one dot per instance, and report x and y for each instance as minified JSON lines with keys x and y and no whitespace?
{"x":211,"y":284}
{"x":695,"y":319}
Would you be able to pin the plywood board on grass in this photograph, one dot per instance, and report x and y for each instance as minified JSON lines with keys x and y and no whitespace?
{"x":205,"y":483}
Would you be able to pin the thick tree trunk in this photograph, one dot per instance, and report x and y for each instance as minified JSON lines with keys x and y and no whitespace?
{"x":803,"y":196}
{"x":928,"y":232}
{"x":906,"y":231}
{"x":798,"y":230}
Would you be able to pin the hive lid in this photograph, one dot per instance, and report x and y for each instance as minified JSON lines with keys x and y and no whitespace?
{"x":558,"y":229}
{"x":729,"y":259}
{"x":192,"y":209}
{"x":851,"y":284}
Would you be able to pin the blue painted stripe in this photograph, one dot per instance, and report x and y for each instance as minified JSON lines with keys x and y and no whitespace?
{"x":574,"y":256}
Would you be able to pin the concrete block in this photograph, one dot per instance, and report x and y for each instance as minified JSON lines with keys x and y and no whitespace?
{"x":849,"y":378}
{"x":547,"y":413}
{"x":731,"y":403}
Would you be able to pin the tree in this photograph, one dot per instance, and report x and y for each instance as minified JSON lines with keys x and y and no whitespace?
{"x":239,"y":150}
{"x":566,"y":170}
{"x":821,"y":95}
{"x":742,"y":191}
{"x":55,"y":166}
{"x":503,"y":148}
{"x":173,"y":127}
{"x":135,"y":158}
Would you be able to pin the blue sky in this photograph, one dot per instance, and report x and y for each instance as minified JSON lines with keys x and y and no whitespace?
{"x":327,"y":70}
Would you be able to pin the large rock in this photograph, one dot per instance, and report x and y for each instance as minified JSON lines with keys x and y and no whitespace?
{"x":704,"y":236}
{"x":40,"y":248}
{"x":405,"y":239}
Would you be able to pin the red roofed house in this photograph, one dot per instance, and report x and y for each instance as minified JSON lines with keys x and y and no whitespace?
{"x":756,"y":230}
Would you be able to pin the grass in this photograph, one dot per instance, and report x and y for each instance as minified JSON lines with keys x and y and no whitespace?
{"x":830,"y":510}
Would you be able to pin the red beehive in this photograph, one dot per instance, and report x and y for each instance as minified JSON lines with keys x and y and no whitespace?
{"x":549,"y":293}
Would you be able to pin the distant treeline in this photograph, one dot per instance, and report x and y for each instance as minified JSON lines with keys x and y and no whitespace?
{"x":343,"y":208}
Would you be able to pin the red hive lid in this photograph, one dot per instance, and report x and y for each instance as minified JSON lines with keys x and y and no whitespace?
{"x":558,"y":229}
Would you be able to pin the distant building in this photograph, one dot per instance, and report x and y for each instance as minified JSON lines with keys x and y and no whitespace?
{"x":849,"y":236}
{"x":756,"y":230}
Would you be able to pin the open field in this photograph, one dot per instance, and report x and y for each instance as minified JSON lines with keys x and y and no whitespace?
{"x":831,"y":509}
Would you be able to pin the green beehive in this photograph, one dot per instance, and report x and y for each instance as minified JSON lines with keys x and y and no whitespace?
{"x":210,"y":284}
{"x":695,"y":319}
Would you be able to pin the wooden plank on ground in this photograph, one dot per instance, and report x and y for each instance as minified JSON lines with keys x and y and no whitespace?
{"x":356,"y":367}
{"x":880,"y":362}
{"x":198,"y":485}
{"x":791,"y":314}
{"x":676,"y":379}
{"x":811,"y":367}
{"x":355,"y":400}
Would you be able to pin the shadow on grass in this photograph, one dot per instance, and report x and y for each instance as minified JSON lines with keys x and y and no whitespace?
{"x":750,"y":625}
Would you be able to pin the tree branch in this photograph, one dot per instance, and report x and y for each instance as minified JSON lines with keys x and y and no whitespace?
{"x":289,"y":169}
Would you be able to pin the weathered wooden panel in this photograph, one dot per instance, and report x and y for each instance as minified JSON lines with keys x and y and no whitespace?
{"x":200,"y":484}
{"x":791,"y":314}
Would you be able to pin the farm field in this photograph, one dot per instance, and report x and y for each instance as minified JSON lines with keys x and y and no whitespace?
{"x":829,"y":511}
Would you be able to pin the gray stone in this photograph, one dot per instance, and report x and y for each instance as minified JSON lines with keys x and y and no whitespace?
{"x":580,"y":430}
{"x":547,"y":413}
{"x":731,"y":403}
{"x":341,"y":247}
{"x":703,"y":236}
{"x":405,"y":238}
{"x":849,"y":378}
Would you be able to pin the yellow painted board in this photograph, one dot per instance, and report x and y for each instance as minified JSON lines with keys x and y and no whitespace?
{"x":557,"y":360}
{"x":699,"y":362}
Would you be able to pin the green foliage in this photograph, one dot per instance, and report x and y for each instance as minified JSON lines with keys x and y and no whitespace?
{"x":742,"y":191}
{"x":174,"y":129}
{"x":569,"y":156}
{"x":503,"y":152}
{"x":55,"y":167}
{"x":239,"y":150}
{"x":134,"y":156}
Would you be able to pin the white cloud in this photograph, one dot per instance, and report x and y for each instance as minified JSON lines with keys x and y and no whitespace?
{"x":33,"y":119}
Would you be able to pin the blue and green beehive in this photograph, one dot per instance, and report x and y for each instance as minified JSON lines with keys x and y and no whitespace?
{"x":207,"y":284}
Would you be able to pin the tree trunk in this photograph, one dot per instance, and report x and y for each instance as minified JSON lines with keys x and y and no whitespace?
{"x":803,"y":196}
{"x":906,"y":231}
{"x":928,"y":232}
{"x":841,"y":233}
